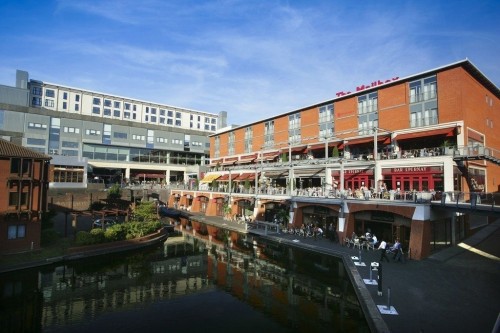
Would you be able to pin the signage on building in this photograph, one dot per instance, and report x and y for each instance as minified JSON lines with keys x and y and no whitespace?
{"x":367,"y":86}
{"x":353,"y":172}
{"x":416,"y":169}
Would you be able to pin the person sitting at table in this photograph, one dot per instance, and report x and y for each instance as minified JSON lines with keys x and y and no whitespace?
{"x":368,"y":234}
{"x":396,"y":249}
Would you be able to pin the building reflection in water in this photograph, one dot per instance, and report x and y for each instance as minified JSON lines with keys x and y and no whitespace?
{"x":297,"y":290}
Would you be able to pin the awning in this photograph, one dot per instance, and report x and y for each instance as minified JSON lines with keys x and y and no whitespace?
{"x":270,"y":157}
{"x":210,"y":177}
{"x":381,"y":138}
{"x":309,"y":172}
{"x":317,"y":146}
{"x":276,"y":174}
{"x":298,"y":149}
{"x":225,"y":177}
{"x":215,"y":161}
{"x":450,"y":131}
{"x":247,"y":158}
{"x":246,"y":176}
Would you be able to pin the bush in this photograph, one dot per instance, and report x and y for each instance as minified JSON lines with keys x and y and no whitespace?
{"x":83,"y":238}
{"x":115,"y":233}
{"x":97,"y":236}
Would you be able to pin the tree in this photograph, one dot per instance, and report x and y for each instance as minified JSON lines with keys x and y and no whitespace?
{"x":335,"y":152}
{"x":115,"y":192}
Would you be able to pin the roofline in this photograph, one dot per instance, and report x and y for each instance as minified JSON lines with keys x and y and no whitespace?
{"x":121,"y":97}
{"x":466,"y":63}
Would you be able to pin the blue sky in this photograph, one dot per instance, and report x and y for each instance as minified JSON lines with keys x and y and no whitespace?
{"x":252,"y":59}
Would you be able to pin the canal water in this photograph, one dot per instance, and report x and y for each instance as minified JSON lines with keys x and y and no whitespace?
{"x":191,"y":283}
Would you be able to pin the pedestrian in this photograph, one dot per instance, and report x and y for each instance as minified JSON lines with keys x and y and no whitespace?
{"x":383,"y":248}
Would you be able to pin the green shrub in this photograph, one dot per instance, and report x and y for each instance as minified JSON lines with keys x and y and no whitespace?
{"x":83,"y":238}
{"x":97,"y":236}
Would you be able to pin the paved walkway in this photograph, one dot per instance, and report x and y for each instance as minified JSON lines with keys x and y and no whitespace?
{"x":454,"y":290}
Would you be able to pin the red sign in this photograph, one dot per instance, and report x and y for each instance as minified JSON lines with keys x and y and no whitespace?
{"x":367,"y":86}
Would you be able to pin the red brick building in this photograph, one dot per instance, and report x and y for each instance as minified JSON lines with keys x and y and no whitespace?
{"x":23,"y":197}
{"x":370,"y":158}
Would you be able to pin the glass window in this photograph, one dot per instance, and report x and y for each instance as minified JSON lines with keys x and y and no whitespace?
{"x":96,"y":101}
{"x":50,"y":93}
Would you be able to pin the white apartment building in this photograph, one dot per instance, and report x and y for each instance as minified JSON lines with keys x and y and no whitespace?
{"x":104,"y":137}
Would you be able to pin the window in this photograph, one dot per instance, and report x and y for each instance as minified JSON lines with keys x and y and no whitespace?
{"x":107,"y":112}
{"x":178,"y":115}
{"x":127,"y":106}
{"x":269,"y":133}
{"x":117,"y":113}
{"x":77,"y":98}
{"x":212,"y":128}
{"x":37,"y":126}
{"x":77,"y":107}
{"x":126,"y":115}
{"x":96,"y":110}
{"x":69,"y":144}
{"x":50,"y":93}
{"x":119,"y":135}
{"x":294,"y":125}
{"x":162,"y":120}
{"x":138,"y":137}
{"x":170,"y":122}
{"x":65,"y":96}
{"x":326,"y":119}
{"x":18,"y":199}
{"x":36,"y":142}
{"x":36,"y":101}
{"x":16,"y":231}
{"x":49,"y":103}
{"x":367,"y":113}
{"x":117,"y":105}
{"x":153,"y":119}
{"x":248,"y":139}
{"x":92,"y":132}
{"x":178,"y":122}
{"x":15,"y":166}
{"x":423,"y":114}
{"x":170,"y":113}
{"x":161,"y":140}
{"x":107,"y":102}
{"x":65,"y":105}
{"x":153,"y":110}
{"x":214,"y":121}
{"x":423,"y":90}
{"x":71,"y":130}
{"x":96,"y":101}
{"x":162,"y":112}
{"x":37,"y":91}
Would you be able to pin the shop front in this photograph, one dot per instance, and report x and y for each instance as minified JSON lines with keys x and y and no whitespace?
{"x":385,"y":225}
{"x":356,"y":178}
{"x":421,"y":178}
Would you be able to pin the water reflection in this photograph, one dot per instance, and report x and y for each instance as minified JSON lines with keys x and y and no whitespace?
{"x":194,"y":282}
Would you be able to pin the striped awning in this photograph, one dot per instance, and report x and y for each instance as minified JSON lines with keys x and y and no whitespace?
{"x":210,"y":177}
{"x":246,"y":176}
{"x":227,"y":176}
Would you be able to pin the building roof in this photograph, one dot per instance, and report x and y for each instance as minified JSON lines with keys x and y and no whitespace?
{"x":9,"y":149}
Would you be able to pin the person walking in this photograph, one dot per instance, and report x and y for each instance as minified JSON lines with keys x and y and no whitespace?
{"x":383,"y":248}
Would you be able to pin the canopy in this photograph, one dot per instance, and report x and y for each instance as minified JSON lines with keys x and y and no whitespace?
{"x":210,"y":177}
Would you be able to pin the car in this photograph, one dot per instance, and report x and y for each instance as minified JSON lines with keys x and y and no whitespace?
{"x":108,"y":222}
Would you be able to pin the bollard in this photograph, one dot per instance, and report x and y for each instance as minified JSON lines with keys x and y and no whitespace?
{"x":371,"y":274}
{"x":389,"y":298}
{"x":379,"y":293}
{"x":359,"y":255}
